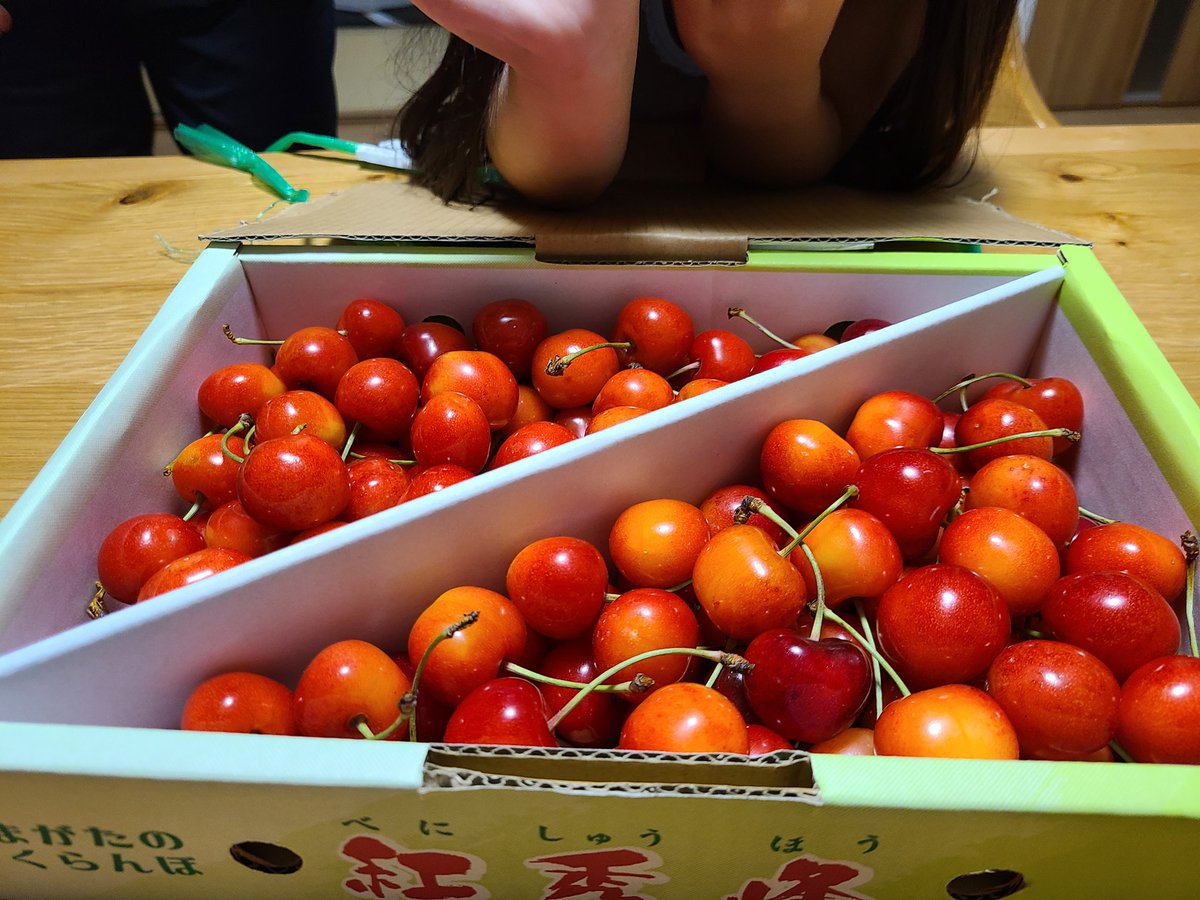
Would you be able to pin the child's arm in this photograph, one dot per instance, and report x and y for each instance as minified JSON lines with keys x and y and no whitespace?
{"x":793,"y":82}
{"x":560,"y":116}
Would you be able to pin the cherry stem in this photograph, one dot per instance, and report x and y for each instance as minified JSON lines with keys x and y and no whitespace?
{"x":716,"y":672}
{"x":1048,"y":432}
{"x":558,"y":364}
{"x":1191,"y":550}
{"x":751,"y":505}
{"x":737,"y":312}
{"x":1096,"y":517}
{"x":974,"y":379}
{"x":1119,"y":752}
{"x":350,"y":440}
{"x":862,"y":617}
{"x":819,"y":611}
{"x":241,"y":340}
{"x":398,"y":462}
{"x":870,"y":648}
{"x":538,"y":677}
{"x":195,"y":508}
{"x":240,"y":425}
{"x":689,"y":367}
{"x":96,"y":608}
{"x":737,"y":663}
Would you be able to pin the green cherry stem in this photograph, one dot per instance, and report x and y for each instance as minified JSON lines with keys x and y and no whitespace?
{"x":875,"y":668}
{"x":1096,"y":517}
{"x":1047,"y":432}
{"x":688,"y":367}
{"x":819,"y":609}
{"x":732,"y":660}
{"x":975,"y":379}
{"x":538,"y":677}
{"x":239,"y":426}
{"x":558,"y":364}
{"x":1191,"y":550}
{"x":752,"y":505}
{"x":1119,"y":752}
{"x":870,"y":648}
{"x":737,"y":312}
{"x":350,"y":439}
{"x":194,"y":508}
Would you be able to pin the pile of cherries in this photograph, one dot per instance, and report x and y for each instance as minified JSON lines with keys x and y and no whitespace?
{"x":924,"y":583}
{"x":360,"y":415}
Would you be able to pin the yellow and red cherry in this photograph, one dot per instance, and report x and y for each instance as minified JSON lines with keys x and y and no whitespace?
{"x":433,"y":479}
{"x":996,"y":419}
{"x":1131,"y":548}
{"x":1033,"y":486}
{"x":1159,"y":716}
{"x":643,"y":388}
{"x":578,"y":383}
{"x":856,"y":554}
{"x":813,"y":341}
{"x":293,"y":482}
{"x":894,"y":419}
{"x":235,"y":389}
{"x":660,"y":331}
{"x":654,"y":543}
{"x":376,"y":484}
{"x":372,"y":327}
{"x":1057,"y":401}
{"x":685,"y":718}
{"x":806,"y":690}
{"x":805,"y":466}
{"x":1062,"y":701}
{"x":346,"y":684}
{"x":596,"y":720}
{"x":204,"y":473}
{"x":301,"y":410}
{"x":1115,"y":616}
{"x":240,"y":703}
{"x":190,"y":569}
{"x":721,"y":355}
{"x":613,"y":415}
{"x":480,"y":375}
{"x":642,"y":620}
{"x":423,"y":342}
{"x":854,"y":741}
{"x":559,"y":585}
{"x":940,"y":624}
{"x":1013,"y":555}
{"x":381,"y":395}
{"x":231,"y":527}
{"x":531,"y":407}
{"x":138,"y":547}
{"x":744,"y":586}
{"x":511,"y":329}
{"x":314,"y":358}
{"x":530,"y":440}
{"x":698,"y":386}
{"x":504,"y":711}
{"x":911,"y":491}
{"x":451,"y":428}
{"x":953,"y":721}
{"x":720,"y":506}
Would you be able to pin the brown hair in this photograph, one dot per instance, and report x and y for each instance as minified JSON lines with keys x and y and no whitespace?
{"x":915,"y":139}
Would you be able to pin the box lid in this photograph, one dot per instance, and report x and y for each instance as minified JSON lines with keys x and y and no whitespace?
{"x":651,"y":221}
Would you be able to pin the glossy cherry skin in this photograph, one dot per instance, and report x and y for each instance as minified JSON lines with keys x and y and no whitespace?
{"x":744,"y":586}
{"x":347,"y":681}
{"x":596,"y":720}
{"x":941,"y":623}
{"x":614,"y":415}
{"x":559,"y":584}
{"x":911,"y":491}
{"x":764,"y":740}
{"x":685,"y":718}
{"x":860,"y":327}
{"x":1159,"y":719}
{"x":138,"y":547}
{"x":773,"y":359}
{"x":204,"y":472}
{"x":294,"y":482}
{"x":661,"y":333}
{"x":1061,"y":700}
{"x":698,"y":386}
{"x":314,"y":358}
{"x":502,"y":712}
{"x":231,"y":527}
{"x":1130,"y":548}
{"x":1035,"y":487}
{"x":721,"y":355}
{"x":805,"y":465}
{"x":856,"y":554}
{"x":655,"y":543}
{"x":376,"y":484}
{"x":482,"y":376}
{"x":301,"y":410}
{"x":638,"y":621}
{"x":990,"y":419}
{"x":1117,"y":617}
{"x":530,"y":440}
{"x":239,"y":702}
{"x":580,"y":382}
{"x":719,"y":508}
{"x":1012,"y":554}
{"x":854,"y":741}
{"x":511,"y":329}
{"x":435,"y":478}
{"x":894,"y":419}
{"x":642,"y":388}
{"x":451,"y":428}
{"x":190,"y":569}
{"x":531,"y":407}
{"x":806,"y":690}
{"x":954,"y":721}
{"x":235,"y":389}
{"x":381,"y":395}
{"x":1057,"y":401}
{"x":423,"y":342}
{"x":372,"y":327}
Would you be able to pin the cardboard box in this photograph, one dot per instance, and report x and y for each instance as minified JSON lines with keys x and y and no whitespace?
{"x":99,"y":796}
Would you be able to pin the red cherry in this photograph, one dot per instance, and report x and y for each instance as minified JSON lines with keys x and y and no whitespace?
{"x":231,"y":527}
{"x":239,"y":702}
{"x":1159,"y":718}
{"x":373,"y":328}
{"x":423,"y":342}
{"x":894,"y":419}
{"x":204,"y":472}
{"x":504,"y":711}
{"x":293,"y":482}
{"x":235,"y":389}
{"x":698,"y":386}
{"x":559,"y":585}
{"x":642,"y":388}
{"x":952,"y":721}
{"x":596,"y":720}
{"x":301,"y":410}
{"x":380,"y":394}
{"x":531,"y":407}
{"x":451,"y":428}
{"x":854,"y":741}
{"x":685,"y":718}
{"x":347,"y":682}
{"x":530,"y":440}
{"x":773,"y":359}
{"x":1131,"y":548}
{"x":376,"y":484}
{"x":860,"y":327}
{"x":575,"y":420}
{"x":638,"y":621}
{"x":764,"y":740}
{"x":435,"y":478}
{"x":911,"y":491}
{"x":1118,"y":617}
{"x":138,"y":547}
{"x":614,"y":415}
{"x":992,"y":419}
{"x":580,"y":382}
{"x":661,"y":333}
{"x":805,"y":466}
{"x":1061,"y":700}
{"x":314,"y":358}
{"x":511,"y":329}
{"x":721,"y":355}
{"x":719,"y":508}
{"x":479,"y":375}
{"x":190,"y":569}
{"x":1057,"y":401}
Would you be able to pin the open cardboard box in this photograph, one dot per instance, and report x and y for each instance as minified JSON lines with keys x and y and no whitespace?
{"x":100,"y":796}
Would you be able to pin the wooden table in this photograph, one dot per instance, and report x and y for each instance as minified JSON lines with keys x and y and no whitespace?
{"x":89,"y":249}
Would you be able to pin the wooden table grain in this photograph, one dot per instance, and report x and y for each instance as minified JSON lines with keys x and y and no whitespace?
{"x":89,"y":249}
